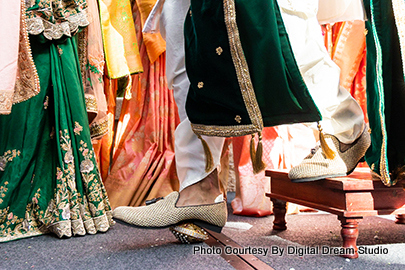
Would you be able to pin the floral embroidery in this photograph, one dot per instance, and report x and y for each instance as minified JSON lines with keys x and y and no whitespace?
{"x":219,"y":50}
{"x":78,"y":128}
{"x":3,"y":190}
{"x":46,"y":103}
{"x":60,"y":50}
{"x":8,"y":157}
{"x":68,"y":212}
{"x":52,"y":134}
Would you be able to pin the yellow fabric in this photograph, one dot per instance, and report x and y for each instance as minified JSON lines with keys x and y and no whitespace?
{"x":119,"y":37}
{"x":155,"y":44}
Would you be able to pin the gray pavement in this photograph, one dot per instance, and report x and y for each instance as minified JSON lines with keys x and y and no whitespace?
{"x":125,"y":247}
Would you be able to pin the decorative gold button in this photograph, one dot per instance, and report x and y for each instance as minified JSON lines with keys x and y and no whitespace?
{"x":200,"y":85}
{"x":238,"y":119}
{"x":219,"y":50}
{"x":191,"y":13}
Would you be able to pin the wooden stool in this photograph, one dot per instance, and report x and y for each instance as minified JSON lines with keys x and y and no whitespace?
{"x":350,"y":198}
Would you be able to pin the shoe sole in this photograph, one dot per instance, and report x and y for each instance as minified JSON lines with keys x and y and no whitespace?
{"x":200,"y":223}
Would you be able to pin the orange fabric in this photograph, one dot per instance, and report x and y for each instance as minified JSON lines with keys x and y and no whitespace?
{"x":143,"y":166}
{"x":346,"y":43}
{"x":155,"y":44}
{"x":283,"y":147}
{"x":119,"y":37}
{"x":103,"y":147}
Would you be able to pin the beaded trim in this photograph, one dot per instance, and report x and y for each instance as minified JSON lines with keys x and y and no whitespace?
{"x":91,"y":103}
{"x":99,"y":129}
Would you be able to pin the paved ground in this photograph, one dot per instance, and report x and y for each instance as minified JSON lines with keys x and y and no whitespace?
{"x":125,"y":247}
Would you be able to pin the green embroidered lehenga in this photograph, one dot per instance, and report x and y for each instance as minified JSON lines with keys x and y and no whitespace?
{"x":49,"y":180}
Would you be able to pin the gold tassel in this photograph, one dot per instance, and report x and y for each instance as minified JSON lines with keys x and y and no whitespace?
{"x":256,"y":155}
{"x":209,"y":165}
{"x":329,"y":153}
{"x":259,"y":165}
{"x":252,"y":148}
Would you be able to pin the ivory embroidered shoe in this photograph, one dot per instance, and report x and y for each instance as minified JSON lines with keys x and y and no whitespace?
{"x":316,"y":166}
{"x":164,"y":213}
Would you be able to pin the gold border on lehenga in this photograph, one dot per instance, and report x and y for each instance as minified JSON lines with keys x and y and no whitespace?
{"x":244,"y":80}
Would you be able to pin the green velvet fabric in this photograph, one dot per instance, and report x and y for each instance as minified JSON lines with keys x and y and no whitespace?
{"x":49,"y":180}
{"x":279,"y":88}
{"x":385,"y":91}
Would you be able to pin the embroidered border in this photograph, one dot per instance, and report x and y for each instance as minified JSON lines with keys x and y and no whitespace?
{"x":37,"y":25}
{"x":244,"y":80}
{"x":91,"y":103}
{"x":99,"y":129}
{"x":385,"y":177}
{"x":241,"y":66}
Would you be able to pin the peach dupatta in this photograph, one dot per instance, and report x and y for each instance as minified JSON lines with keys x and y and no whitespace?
{"x":143,"y":165}
{"x":10,"y":16}
{"x":18,"y":76}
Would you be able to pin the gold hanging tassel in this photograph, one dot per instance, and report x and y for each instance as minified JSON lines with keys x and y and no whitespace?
{"x":209,"y":164}
{"x":256,"y":155}
{"x":329,"y":153}
{"x":252,"y":148}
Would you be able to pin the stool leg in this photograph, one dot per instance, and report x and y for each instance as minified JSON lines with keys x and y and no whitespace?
{"x":400,"y":219}
{"x":349,"y":234}
{"x":279,"y":210}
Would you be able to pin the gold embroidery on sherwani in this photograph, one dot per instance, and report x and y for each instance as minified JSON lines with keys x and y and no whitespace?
{"x":241,"y":66}
{"x":244,"y":80}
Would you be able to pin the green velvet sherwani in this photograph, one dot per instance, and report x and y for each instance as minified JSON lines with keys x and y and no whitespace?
{"x":386,"y":88}
{"x":242,"y":69}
